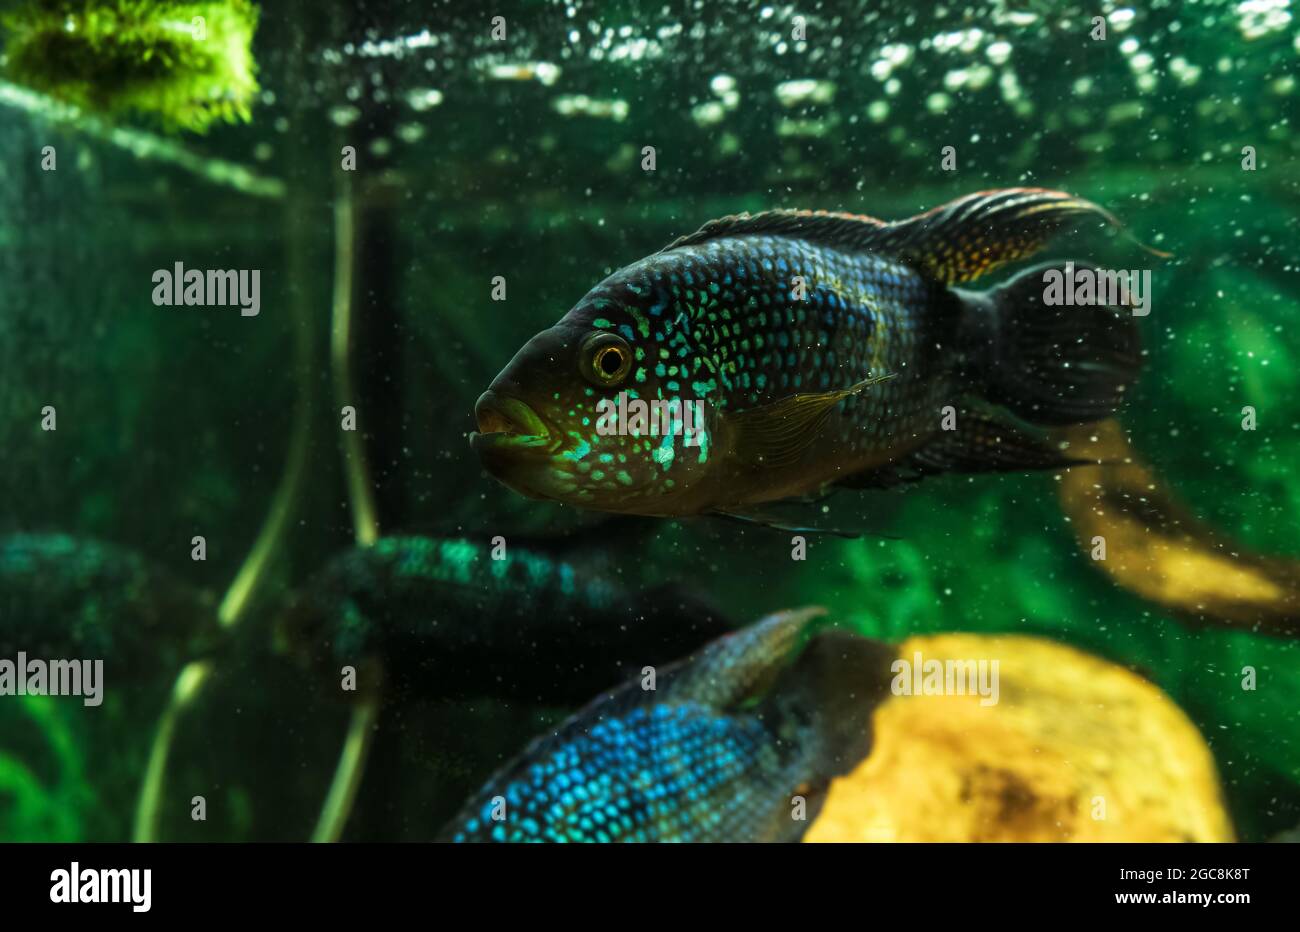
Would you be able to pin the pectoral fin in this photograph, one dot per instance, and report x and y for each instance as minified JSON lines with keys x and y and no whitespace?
{"x":763,"y":519}
{"x":777,"y":434}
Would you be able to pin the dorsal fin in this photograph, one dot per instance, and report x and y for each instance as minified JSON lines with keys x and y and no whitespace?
{"x":724,"y":675}
{"x":741,"y":666}
{"x":849,"y":232}
{"x":955,"y":242}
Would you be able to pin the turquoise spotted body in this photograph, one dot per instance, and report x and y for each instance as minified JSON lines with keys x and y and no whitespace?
{"x":663,"y":773}
{"x":739,"y":323}
{"x":727,"y":321}
{"x":738,"y":743}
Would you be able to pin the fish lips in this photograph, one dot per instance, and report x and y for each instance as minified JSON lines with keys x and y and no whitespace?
{"x":508,"y":429}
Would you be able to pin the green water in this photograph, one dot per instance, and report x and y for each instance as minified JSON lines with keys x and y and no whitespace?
{"x":521,"y":158}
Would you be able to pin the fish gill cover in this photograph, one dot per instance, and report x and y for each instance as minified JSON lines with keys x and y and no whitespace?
{"x":288,"y":497}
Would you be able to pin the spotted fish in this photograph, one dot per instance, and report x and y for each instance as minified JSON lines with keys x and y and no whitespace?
{"x":72,"y":597}
{"x":738,"y":743}
{"x":781,"y":355}
{"x":445,"y":620}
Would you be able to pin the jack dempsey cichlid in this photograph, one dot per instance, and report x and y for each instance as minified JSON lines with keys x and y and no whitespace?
{"x":782,"y":355}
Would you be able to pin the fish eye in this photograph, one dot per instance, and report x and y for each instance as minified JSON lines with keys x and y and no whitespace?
{"x":605,"y":358}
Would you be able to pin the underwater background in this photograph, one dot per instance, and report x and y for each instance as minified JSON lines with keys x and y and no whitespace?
{"x":521,"y":157}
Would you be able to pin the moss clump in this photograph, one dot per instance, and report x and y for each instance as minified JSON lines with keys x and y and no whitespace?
{"x":187,"y":65}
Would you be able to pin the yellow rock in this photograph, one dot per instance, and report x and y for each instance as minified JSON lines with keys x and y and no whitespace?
{"x":1074,"y":749}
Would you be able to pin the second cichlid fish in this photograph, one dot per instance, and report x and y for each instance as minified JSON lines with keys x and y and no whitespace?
{"x":739,"y":742}
{"x":781,"y":355}
{"x":75,"y":597}
{"x":445,"y":619}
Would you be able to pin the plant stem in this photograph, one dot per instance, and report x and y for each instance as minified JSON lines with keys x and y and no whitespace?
{"x":347,"y":775}
{"x":252,"y":573}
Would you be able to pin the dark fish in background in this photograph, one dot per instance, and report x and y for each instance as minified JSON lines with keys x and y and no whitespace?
{"x":822,"y":347}
{"x":446,"y":620}
{"x":74,"y":598}
{"x":718,"y":751}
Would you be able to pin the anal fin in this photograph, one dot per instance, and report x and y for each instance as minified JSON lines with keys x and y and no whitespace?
{"x":986,"y":439}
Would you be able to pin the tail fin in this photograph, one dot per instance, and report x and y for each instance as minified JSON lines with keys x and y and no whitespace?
{"x":1056,"y":364}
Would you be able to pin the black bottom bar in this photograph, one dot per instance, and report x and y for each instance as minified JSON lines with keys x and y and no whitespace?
{"x":370,"y":881}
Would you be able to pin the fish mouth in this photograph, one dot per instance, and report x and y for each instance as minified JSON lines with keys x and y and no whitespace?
{"x":506,"y":423}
